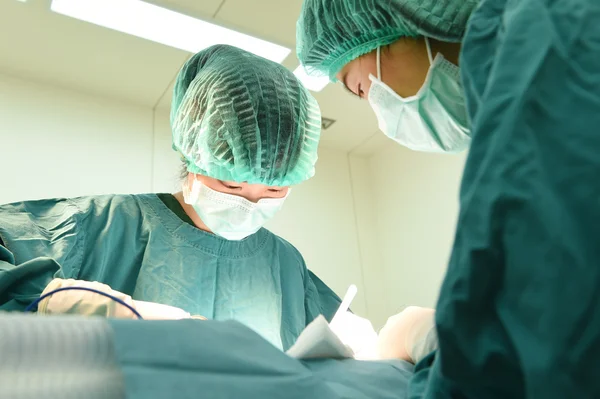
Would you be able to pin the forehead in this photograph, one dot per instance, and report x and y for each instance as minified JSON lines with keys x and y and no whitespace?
{"x":352,"y":66}
{"x":357,"y":69}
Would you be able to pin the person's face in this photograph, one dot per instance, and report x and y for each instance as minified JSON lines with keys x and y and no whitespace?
{"x":404,"y":67}
{"x":251,"y":192}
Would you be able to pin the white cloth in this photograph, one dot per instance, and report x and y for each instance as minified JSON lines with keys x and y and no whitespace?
{"x":318,"y":341}
{"x":348,"y":336}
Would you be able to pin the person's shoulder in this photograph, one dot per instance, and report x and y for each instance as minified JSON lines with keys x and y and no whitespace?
{"x":94,"y":204}
{"x":116,"y":205}
{"x":126,"y":201}
{"x":285,"y":246}
{"x":43,"y":207}
{"x":282,"y":242}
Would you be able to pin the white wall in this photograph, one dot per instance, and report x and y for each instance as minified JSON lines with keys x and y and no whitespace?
{"x":56,"y":142}
{"x":166,"y":162}
{"x":416,"y":201}
{"x":318,"y":218}
{"x":365,"y":214}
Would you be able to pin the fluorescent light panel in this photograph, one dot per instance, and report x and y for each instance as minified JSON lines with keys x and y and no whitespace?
{"x":164,"y":26}
{"x":312,"y":83}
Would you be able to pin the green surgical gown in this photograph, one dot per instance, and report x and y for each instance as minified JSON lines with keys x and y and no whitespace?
{"x":519,"y":311}
{"x":139,"y":246}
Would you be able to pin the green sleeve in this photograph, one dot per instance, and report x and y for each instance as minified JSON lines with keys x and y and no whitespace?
{"x":419,"y":385}
{"x":328,"y":301}
{"x":22,"y":284}
{"x":38,"y":242}
{"x":518,"y":315}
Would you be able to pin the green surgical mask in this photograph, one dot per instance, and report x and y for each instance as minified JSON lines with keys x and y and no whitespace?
{"x":433,"y":120}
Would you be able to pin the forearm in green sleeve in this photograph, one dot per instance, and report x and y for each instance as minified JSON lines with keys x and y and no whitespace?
{"x":23,"y":283}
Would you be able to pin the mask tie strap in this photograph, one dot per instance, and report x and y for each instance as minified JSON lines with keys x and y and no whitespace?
{"x":191,"y":194}
{"x":379,"y":63}
{"x":428,"y":45}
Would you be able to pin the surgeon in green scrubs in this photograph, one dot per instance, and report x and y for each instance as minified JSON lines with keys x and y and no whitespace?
{"x":517,"y":82}
{"x":247,"y":131}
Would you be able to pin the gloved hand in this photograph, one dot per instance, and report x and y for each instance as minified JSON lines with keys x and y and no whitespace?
{"x":410,"y":335}
{"x":84,"y":302}
{"x":90,"y":303}
{"x":357,"y":333}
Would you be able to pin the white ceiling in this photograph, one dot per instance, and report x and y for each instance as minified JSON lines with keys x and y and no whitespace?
{"x":40,"y":45}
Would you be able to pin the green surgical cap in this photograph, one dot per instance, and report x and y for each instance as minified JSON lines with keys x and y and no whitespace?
{"x":239,"y":117}
{"x":331,"y":33}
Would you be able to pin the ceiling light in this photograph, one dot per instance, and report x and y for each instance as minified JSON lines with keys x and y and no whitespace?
{"x":164,"y":26}
{"x":312,"y":83}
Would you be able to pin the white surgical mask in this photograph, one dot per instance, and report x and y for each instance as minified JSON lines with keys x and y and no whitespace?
{"x":230,"y":216}
{"x":433,"y":120}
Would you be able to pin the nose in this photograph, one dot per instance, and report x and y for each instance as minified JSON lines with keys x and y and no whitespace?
{"x":254,"y":192}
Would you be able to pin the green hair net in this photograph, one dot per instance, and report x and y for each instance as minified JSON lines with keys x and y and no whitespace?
{"x":239,"y":117}
{"x":331,"y":33}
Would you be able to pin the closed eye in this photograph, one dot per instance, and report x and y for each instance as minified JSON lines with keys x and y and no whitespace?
{"x":230,"y":186}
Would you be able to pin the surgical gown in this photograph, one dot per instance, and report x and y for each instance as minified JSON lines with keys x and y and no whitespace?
{"x":519,"y":311}
{"x":138,"y":246}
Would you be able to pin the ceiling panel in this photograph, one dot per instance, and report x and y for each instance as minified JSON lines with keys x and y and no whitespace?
{"x":273,"y":20}
{"x":38,"y":44}
{"x":203,"y":9}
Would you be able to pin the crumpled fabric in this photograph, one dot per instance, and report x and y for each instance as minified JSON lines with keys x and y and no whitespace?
{"x":227,"y":360}
{"x":519,"y":310}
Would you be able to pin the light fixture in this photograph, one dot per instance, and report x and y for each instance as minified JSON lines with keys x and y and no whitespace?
{"x":164,"y":26}
{"x":312,"y":83}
